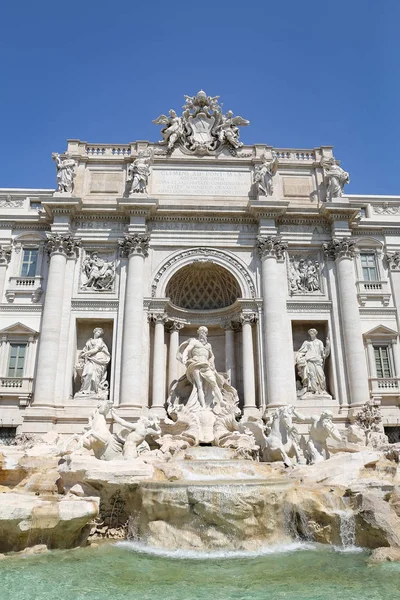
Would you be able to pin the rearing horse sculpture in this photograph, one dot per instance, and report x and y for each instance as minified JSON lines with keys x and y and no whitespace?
{"x":281,"y":443}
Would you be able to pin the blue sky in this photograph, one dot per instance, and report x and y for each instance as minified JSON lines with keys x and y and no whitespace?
{"x":305,"y":73}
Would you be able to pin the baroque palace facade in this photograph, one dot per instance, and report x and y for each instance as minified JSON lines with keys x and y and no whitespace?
{"x":145,"y":242}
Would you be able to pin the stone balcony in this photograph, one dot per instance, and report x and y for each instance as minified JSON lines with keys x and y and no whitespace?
{"x":24,"y":287}
{"x":386,"y":386}
{"x":17,"y":387}
{"x":373,"y":290}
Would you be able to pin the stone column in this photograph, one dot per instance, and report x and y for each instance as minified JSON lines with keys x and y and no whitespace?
{"x":135,"y":248}
{"x":279,"y":368}
{"x":249,"y":384}
{"x":5,"y":256}
{"x":343,"y":252}
{"x":158,"y":399}
{"x":229,"y":328}
{"x":174,"y":327}
{"x":59,"y":246}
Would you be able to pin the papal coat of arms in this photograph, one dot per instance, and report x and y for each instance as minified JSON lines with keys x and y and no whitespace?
{"x":202,"y":128}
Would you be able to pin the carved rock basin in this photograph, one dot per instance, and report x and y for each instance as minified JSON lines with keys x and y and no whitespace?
{"x":211,"y":504}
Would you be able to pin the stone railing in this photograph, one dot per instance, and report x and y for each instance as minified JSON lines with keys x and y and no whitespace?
{"x":373,"y":290}
{"x":23,"y":286}
{"x":15,"y":385}
{"x":385,"y":385}
{"x":106,"y":150}
{"x":291,"y":154}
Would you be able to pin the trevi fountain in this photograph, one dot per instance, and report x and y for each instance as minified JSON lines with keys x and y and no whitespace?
{"x":221,"y":424}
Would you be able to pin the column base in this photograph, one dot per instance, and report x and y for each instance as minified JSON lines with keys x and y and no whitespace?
{"x":252,"y":411}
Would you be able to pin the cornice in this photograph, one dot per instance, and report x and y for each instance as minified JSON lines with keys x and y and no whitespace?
{"x":315,"y":306}
{"x":100,"y":305}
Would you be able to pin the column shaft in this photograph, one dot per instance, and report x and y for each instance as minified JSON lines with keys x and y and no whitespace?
{"x":50,"y":331}
{"x":173,"y":351}
{"x":158,"y":400}
{"x":230,"y":354}
{"x":135,"y":247}
{"x":249,"y":384}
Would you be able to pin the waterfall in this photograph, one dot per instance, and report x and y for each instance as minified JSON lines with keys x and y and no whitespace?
{"x":347,"y":526}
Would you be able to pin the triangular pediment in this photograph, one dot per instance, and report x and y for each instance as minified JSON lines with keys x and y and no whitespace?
{"x":381,"y":330}
{"x":18,"y":329}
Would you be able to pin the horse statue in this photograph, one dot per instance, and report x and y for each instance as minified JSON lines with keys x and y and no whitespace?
{"x":279,"y":440}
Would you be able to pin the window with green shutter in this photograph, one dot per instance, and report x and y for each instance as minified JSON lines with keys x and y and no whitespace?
{"x":382,"y":362}
{"x":16,"y":361}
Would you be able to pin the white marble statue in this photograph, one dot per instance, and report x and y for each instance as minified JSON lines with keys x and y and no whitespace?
{"x":335,"y":178}
{"x":369,"y":420}
{"x":264,"y":174}
{"x":310,"y":362}
{"x":322,"y":427}
{"x":99,"y":273}
{"x":198,"y":358}
{"x":92,"y":366}
{"x":97,"y":436}
{"x":65,"y":173}
{"x":202,"y":128}
{"x":138,"y":173}
{"x":133,"y":435}
{"x":282,"y":440}
{"x":173,"y":130}
{"x":304,"y":275}
{"x":228,"y":129}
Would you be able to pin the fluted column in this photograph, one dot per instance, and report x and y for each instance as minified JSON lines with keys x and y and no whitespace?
{"x":249,"y":382}
{"x":174,"y":327}
{"x":59,"y":246}
{"x":135,"y":247}
{"x":343,"y":252}
{"x":229,"y":328}
{"x":5,"y":256}
{"x":279,"y":368}
{"x":158,"y":398}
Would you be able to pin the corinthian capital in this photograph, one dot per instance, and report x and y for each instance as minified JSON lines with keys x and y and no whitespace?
{"x":271,"y":246}
{"x":344,"y":248}
{"x":248,"y":317}
{"x":136,"y":243}
{"x":62,"y":243}
{"x":5,"y":255}
{"x":393,"y":260}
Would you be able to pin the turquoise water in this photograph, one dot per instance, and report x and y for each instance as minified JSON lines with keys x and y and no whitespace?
{"x":122,"y":572}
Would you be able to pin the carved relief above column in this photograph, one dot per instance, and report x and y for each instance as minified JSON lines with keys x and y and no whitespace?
{"x":271,"y":246}
{"x":58,"y":243}
{"x":134,"y":244}
{"x":339,"y":248}
{"x":173,"y":325}
{"x":393,"y":260}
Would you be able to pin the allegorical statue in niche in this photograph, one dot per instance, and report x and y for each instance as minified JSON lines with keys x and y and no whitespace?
{"x":335,"y":178}
{"x":100,"y":274}
{"x":138,"y":172}
{"x":65,"y":173}
{"x":310,"y":361}
{"x":92,"y":366}
{"x":263,"y":176}
{"x":173,"y":129}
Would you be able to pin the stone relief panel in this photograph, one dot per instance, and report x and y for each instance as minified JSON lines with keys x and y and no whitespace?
{"x":304,"y":275}
{"x":97,"y":271}
{"x":294,"y":187}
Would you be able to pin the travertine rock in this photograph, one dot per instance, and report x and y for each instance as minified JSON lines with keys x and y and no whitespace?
{"x":385,"y":554}
{"x":27,"y":520}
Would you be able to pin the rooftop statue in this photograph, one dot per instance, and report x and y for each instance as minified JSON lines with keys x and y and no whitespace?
{"x":335,"y":178}
{"x":263,"y":176}
{"x":202,"y":128}
{"x":138,"y":173}
{"x":65,"y":173}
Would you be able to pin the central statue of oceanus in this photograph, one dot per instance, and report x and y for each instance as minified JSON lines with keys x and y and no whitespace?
{"x":202,"y":405}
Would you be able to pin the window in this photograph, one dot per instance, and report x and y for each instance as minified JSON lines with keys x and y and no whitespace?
{"x":29,"y":261}
{"x":7,"y":435}
{"x":393,"y":434}
{"x":368,"y":263}
{"x":382,"y":362}
{"x":16,"y":361}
